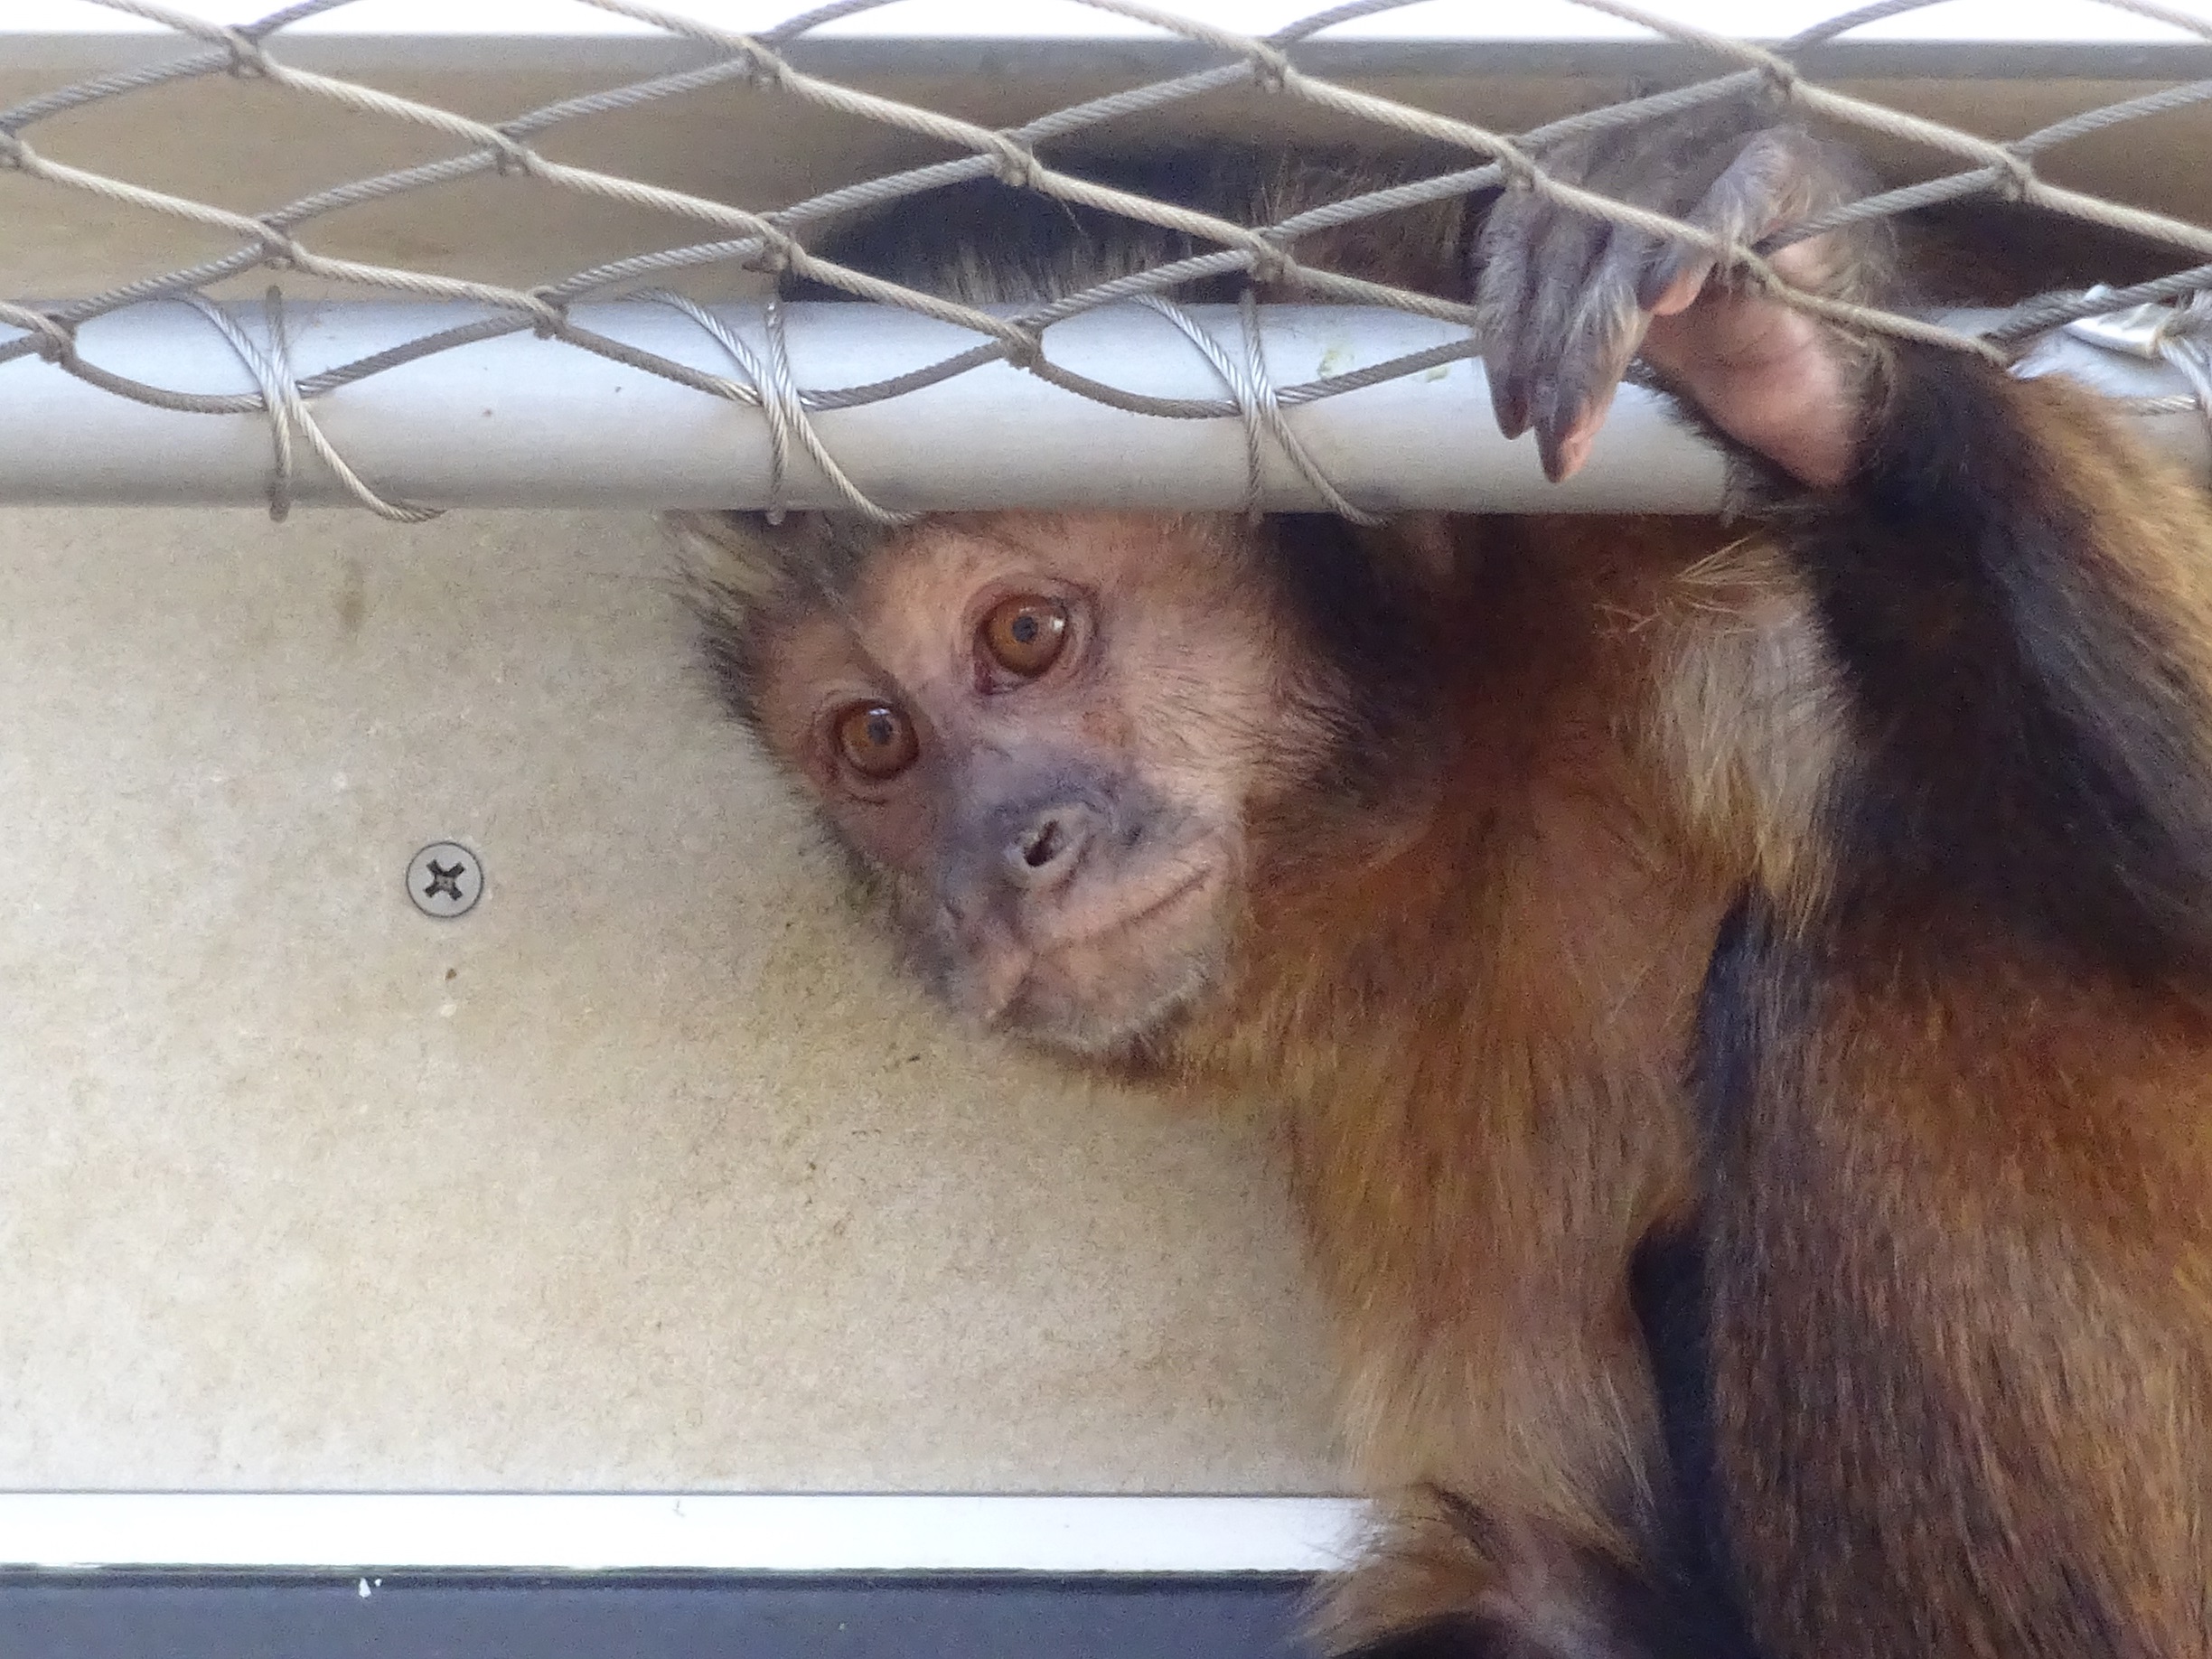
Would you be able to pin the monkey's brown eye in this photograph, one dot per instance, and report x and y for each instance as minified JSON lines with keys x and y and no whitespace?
{"x":877,"y":739}
{"x":1024,"y":636}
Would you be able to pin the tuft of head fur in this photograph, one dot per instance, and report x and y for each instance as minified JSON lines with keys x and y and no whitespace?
{"x":742,"y":577}
{"x":983,"y":242}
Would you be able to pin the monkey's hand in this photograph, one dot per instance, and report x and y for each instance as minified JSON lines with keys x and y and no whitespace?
{"x":1567,"y":299}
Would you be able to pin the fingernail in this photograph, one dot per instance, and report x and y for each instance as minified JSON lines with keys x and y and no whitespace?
{"x":1511,"y":407}
{"x":1548,"y":451}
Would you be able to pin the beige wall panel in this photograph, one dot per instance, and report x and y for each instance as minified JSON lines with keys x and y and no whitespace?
{"x":644,"y":1174}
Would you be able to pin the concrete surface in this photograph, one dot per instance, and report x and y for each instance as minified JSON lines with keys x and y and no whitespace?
{"x":644,"y":1173}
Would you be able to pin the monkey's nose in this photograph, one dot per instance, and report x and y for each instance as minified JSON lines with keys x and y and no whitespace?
{"x":1045,"y":850}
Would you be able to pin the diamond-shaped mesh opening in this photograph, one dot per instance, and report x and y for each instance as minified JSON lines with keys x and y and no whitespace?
{"x":206,"y":169}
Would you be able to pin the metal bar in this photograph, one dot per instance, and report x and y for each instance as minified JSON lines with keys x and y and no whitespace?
{"x":675,"y":1531}
{"x":520,"y":421}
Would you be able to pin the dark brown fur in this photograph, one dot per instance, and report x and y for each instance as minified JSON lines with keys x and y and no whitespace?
{"x":1907,"y":1200}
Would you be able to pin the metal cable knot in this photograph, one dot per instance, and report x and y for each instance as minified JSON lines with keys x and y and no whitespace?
{"x":779,"y":251}
{"x":50,"y":340}
{"x":1779,"y":78}
{"x":248,"y":60}
{"x":1518,"y":166}
{"x":1014,"y":162}
{"x":1024,"y":346}
{"x":1272,"y":68}
{"x":1271,"y":262}
{"x":764,"y":71}
{"x":279,"y":252}
{"x":2014,"y":174}
{"x":510,"y":157}
{"x":550,"y":322}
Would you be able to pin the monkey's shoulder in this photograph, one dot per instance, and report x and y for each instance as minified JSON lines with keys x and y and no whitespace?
{"x":1679,"y":667}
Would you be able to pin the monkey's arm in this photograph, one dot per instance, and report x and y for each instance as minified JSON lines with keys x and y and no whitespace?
{"x":1958,"y":1282}
{"x":2017,"y":599}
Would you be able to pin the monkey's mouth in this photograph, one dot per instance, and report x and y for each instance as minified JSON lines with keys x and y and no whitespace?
{"x":1087,"y":926}
{"x":1099,"y":974}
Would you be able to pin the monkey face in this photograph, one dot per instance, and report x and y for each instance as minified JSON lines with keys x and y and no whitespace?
{"x":1048,"y":737}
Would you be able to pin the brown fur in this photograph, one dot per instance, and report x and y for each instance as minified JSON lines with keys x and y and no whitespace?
{"x":1445,"y":847}
{"x":1611,"y":718}
{"x":1963,"y":1328}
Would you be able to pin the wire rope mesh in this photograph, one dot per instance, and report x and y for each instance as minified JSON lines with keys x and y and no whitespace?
{"x":283,"y":240}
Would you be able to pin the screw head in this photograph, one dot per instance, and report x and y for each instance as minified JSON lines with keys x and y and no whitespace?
{"x":445,"y":879}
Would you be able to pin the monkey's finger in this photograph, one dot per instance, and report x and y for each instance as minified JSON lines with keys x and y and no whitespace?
{"x":1756,"y":195}
{"x":1564,"y":437}
{"x":1533,"y":324}
{"x":1576,"y":387}
{"x":1501,"y":283}
{"x":1526,"y":240}
{"x":1767,"y":373}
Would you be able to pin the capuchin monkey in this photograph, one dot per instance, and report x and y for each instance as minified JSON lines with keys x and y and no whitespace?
{"x":1740,"y":998}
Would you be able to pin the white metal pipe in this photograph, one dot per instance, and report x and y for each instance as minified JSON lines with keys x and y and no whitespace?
{"x":661,"y":1532}
{"x":522,"y":421}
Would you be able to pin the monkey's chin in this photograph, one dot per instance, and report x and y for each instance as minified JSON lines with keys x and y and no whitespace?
{"x":1091,"y":1026}
{"x":1108,"y":992}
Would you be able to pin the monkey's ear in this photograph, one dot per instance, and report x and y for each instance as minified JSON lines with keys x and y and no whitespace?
{"x":734,"y":555}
